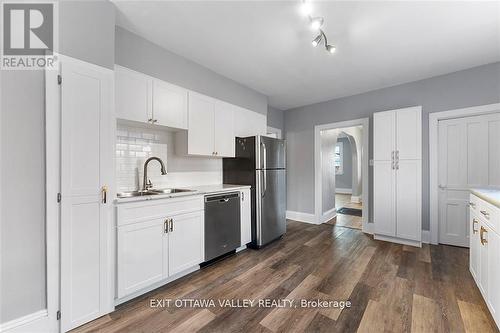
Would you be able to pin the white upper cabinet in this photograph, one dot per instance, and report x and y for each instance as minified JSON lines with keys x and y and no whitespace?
{"x":384,"y":135}
{"x":223,"y":129}
{"x":169,"y":105}
{"x":142,"y":98}
{"x":211,"y":128}
{"x":132,"y":95}
{"x":201,"y":133}
{"x":408,"y":134}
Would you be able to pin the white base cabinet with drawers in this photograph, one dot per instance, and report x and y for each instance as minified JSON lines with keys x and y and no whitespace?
{"x":157,"y":239}
{"x":484,"y":261}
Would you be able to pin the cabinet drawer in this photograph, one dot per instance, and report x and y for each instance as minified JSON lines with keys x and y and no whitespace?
{"x":490,"y":214}
{"x":146,"y":210}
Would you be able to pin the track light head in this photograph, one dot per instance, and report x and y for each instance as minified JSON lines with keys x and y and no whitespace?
{"x":316,"y":23}
{"x":317,"y":40}
{"x":330,"y":48}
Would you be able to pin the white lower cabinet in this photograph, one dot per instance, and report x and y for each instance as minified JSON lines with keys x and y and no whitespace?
{"x":185,"y":241}
{"x":246,"y":218}
{"x":151,"y":249}
{"x":484,"y":259}
{"x":142,"y":258}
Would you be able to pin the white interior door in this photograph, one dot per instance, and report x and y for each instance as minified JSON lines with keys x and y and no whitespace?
{"x":469,"y":156}
{"x":86,"y":167}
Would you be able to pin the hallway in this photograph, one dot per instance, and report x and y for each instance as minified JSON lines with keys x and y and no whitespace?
{"x":342,"y":220}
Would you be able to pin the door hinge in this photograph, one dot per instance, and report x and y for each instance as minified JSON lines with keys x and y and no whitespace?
{"x":58,"y":315}
{"x":58,"y":197}
{"x":59,"y":79}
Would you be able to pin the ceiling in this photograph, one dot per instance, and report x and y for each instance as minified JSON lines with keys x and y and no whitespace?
{"x":266,"y":45}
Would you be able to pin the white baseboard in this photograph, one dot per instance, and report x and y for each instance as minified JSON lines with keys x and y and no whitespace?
{"x":426,"y":236}
{"x":327,"y":216}
{"x":355,"y":199}
{"x":343,"y":190}
{"x":301,"y":217}
{"x":25,"y":323}
{"x":397,"y":240}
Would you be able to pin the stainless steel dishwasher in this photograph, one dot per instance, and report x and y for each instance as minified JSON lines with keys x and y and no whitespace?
{"x":222,"y":224}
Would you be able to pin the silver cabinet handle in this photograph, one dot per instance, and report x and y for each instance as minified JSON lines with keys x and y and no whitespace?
{"x":150,"y":120}
{"x":473,"y":205}
{"x":165,"y":226}
{"x":485,"y":213}
{"x":171,"y":225}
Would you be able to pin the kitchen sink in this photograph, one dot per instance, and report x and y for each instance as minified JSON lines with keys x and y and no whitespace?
{"x":169,"y":190}
{"x":133,"y":194}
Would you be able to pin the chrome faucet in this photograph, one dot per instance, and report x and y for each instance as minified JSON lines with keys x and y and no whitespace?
{"x":146,"y":184}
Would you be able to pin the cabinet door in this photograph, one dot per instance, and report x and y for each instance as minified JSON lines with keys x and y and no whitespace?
{"x":474,"y":244}
{"x":384,"y":198}
{"x":493,"y":296}
{"x":201,"y":125}
{"x":133,"y":95}
{"x":384,"y":124}
{"x":484,"y":234}
{"x":408,"y":199}
{"x":185,"y":241}
{"x":141,"y":255}
{"x":86,"y":167}
{"x":409,"y":133}
{"x":224,"y":129}
{"x":169,"y":105}
{"x":246,"y":218}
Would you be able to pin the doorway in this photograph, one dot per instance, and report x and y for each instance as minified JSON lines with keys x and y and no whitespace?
{"x":464,"y":154}
{"x":341,"y":174}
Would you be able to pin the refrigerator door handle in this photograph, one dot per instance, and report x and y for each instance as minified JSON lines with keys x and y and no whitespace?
{"x":264,"y":172}
{"x":264,"y":155}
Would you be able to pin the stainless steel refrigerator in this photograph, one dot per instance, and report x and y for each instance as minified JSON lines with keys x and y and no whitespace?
{"x":260,"y":162}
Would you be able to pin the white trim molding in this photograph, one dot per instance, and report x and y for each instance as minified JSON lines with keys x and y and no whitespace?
{"x":343,"y":190}
{"x":301,"y":217}
{"x":32,"y":322}
{"x":434,"y":119}
{"x":364,"y":122}
{"x":426,"y":236}
{"x":328,"y":215}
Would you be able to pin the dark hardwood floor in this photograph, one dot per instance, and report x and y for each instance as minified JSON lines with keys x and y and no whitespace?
{"x":392,"y":288}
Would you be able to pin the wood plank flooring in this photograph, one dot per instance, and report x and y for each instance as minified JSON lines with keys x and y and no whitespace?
{"x":392,"y":288}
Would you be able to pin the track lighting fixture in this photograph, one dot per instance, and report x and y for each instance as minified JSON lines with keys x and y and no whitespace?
{"x":317,"y":40}
{"x":316,"y":24}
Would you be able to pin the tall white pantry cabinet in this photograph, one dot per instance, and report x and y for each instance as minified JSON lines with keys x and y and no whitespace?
{"x":397,"y":173}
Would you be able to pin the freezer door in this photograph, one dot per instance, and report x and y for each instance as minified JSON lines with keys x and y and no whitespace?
{"x":271,"y":205}
{"x":270,"y":153}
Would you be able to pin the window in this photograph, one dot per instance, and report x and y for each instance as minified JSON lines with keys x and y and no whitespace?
{"x":338,"y":159}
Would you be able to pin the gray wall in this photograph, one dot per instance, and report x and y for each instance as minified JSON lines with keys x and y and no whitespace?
{"x":276,"y":119}
{"x":345,"y":180}
{"x":475,"y":86}
{"x":87,"y":31}
{"x":137,"y":53}
{"x":22,"y":223}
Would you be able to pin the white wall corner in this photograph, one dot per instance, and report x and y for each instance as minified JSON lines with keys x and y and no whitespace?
{"x":301,"y":217}
{"x":426,"y":236}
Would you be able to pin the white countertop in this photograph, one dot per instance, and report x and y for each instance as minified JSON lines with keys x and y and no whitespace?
{"x":196,"y":190}
{"x":490,"y":195}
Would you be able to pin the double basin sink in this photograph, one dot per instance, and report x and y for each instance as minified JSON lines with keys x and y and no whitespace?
{"x":133,"y":194}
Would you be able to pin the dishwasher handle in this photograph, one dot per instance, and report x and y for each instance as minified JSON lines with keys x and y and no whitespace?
{"x":222,"y":198}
